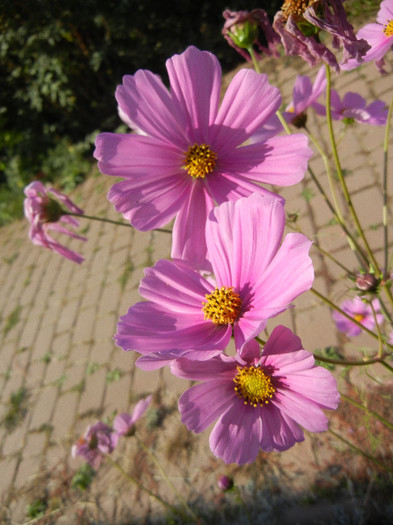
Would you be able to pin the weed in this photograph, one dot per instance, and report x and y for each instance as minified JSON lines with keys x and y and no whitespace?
{"x":12,"y":320}
{"x":83,"y":477}
{"x":37,"y":509}
{"x":92,"y":367}
{"x":113,"y":375}
{"x":16,"y":409}
{"x":128,"y":269}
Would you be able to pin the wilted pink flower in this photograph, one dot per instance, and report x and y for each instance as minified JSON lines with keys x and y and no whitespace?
{"x":299,"y":22}
{"x":260,"y":402}
{"x":379,"y":36}
{"x":256,"y":279}
{"x":305,"y":94}
{"x":124,"y":423}
{"x":191,"y":154}
{"x":46,"y":214}
{"x":98,"y":440}
{"x":241,"y":32}
{"x":354,"y":107}
{"x":361,"y":312}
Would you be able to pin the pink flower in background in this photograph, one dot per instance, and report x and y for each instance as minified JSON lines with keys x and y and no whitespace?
{"x":256,"y":279}
{"x":98,"y":440}
{"x":353,"y":106}
{"x":241,"y":31}
{"x":191,"y":154}
{"x":299,"y":25}
{"x":305,"y":94}
{"x":361,"y":312}
{"x":46,"y":214}
{"x":379,"y":35}
{"x":124,"y":423}
{"x":260,"y":402}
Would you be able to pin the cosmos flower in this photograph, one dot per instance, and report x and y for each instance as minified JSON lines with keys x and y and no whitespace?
{"x":98,"y":440}
{"x":46,"y":214}
{"x":305,"y":95}
{"x":255,"y":279}
{"x":379,"y":36}
{"x":361,"y":312}
{"x":241,"y":30}
{"x":299,"y":22}
{"x":260,"y":402}
{"x":191,"y":154}
{"x":354,"y":107}
{"x":124,"y":423}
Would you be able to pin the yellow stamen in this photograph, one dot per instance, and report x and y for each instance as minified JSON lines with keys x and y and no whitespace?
{"x":358,"y":317}
{"x":388,"y":29}
{"x":296,"y":7}
{"x":200,"y":161}
{"x":223,"y":306}
{"x":253,"y":386}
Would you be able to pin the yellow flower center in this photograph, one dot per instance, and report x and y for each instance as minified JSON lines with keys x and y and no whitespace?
{"x":253,"y":386}
{"x":200,"y":161}
{"x":358,"y":317}
{"x":223,"y":306}
{"x":296,"y":7}
{"x":388,"y":29}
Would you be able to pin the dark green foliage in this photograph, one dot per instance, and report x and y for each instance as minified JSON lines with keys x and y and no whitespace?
{"x":83,"y":477}
{"x":60,"y":63}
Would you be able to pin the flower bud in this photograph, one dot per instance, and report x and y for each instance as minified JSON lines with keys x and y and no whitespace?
{"x":366,"y":282}
{"x":225,"y":483}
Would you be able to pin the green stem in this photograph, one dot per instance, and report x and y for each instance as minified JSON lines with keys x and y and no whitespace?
{"x":361,"y":452}
{"x":341,"y":175}
{"x":110,"y":221}
{"x":388,"y":367}
{"x":139,"y":485}
{"x":254,"y":60}
{"x":344,"y":362}
{"x":371,"y":412}
{"x":385,"y":183}
{"x":165,"y":476}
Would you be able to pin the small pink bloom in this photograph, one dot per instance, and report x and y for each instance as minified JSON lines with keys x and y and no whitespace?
{"x":305,"y":94}
{"x":361,"y":312}
{"x":261,"y":402}
{"x":191,"y":155}
{"x":379,"y":36}
{"x":98,"y":440}
{"x":46,"y":214}
{"x":256,"y":279}
{"x":124,"y":423}
{"x":354,"y":107}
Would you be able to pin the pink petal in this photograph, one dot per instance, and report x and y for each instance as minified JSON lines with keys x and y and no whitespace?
{"x":146,"y":102}
{"x":197,"y":95}
{"x":302,"y":410}
{"x":248,"y":103}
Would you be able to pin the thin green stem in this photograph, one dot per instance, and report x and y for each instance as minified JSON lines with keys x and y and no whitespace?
{"x":361,"y":452}
{"x":385,"y":184}
{"x":366,"y":409}
{"x":139,"y":485}
{"x":165,"y":476}
{"x":254,"y":60}
{"x":343,"y":362}
{"x":110,"y":221}
{"x":341,"y":175}
{"x":380,"y":342}
{"x":260,"y":341}
{"x":388,"y":367}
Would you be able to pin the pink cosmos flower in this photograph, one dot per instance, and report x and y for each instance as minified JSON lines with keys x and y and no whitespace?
{"x":45,"y":214}
{"x":98,"y":440}
{"x":305,"y":94}
{"x":379,"y":35}
{"x":354,"y":107}
{"x":241,"y":31}
{"x":361,"y":312}
{"x":299,"y":23}
{"x":191,"y":154}
{"x":256,"y":279}
{"x":124,"y":423}
{"x":261,"y":402}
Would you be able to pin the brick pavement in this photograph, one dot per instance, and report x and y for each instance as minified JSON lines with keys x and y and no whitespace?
{"x":58,"y":319}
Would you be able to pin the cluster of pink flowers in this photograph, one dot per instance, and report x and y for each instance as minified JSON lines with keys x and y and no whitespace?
{"x":231,"y":269}
{"x":204,"y":164}
{"x":101,"y":439}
